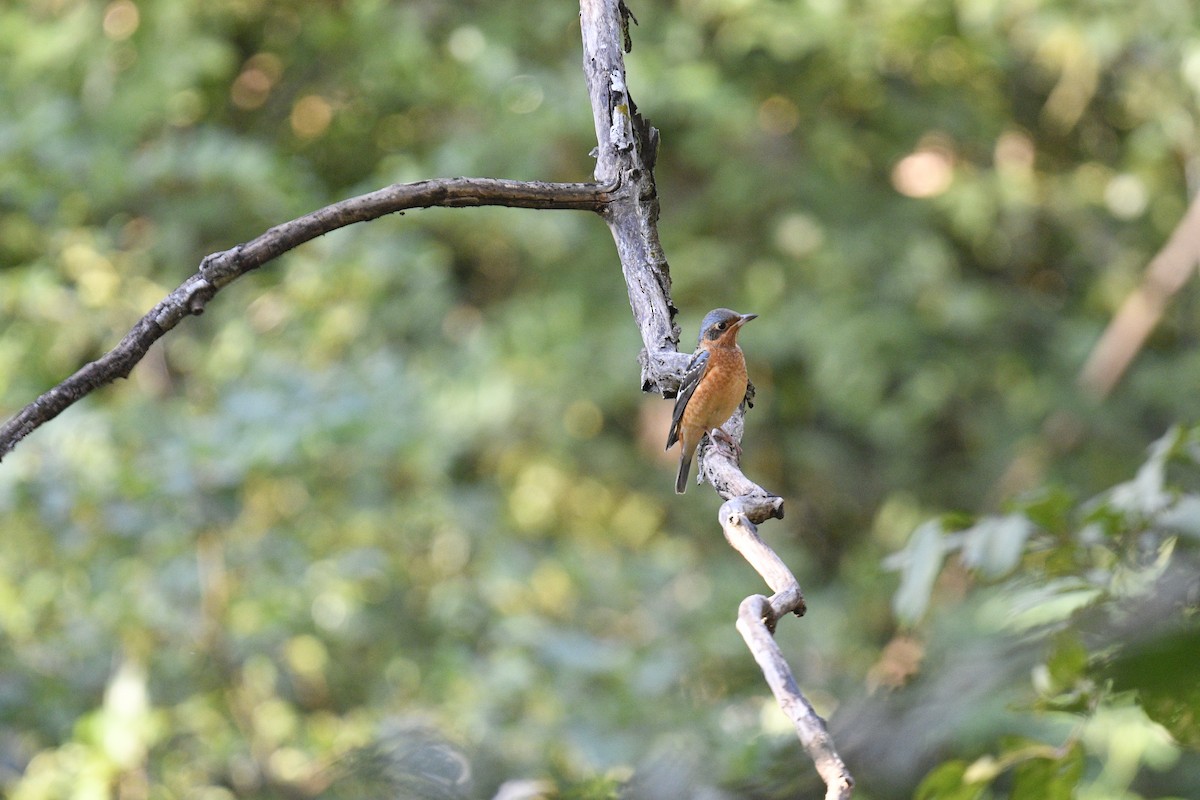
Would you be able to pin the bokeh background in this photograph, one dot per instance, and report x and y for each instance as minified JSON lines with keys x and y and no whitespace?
{"x":393,"y":519}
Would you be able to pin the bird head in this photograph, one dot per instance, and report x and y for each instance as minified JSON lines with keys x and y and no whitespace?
{"x":722,"y":324}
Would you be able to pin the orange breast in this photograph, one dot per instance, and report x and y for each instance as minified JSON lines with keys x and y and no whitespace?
{"x":720,"y":391}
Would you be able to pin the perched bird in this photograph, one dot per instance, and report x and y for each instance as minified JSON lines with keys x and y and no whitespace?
{"x":713,"y":386}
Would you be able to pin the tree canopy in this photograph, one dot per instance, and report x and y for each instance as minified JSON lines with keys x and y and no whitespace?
{"x":395,"y":505}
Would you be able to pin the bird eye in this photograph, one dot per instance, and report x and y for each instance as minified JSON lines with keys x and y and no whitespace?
{"x":722,"y":326}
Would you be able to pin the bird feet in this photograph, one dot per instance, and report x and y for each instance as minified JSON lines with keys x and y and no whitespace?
{"x":731,"y":446}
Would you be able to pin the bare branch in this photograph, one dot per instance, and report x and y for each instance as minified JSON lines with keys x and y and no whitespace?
{"x":809,"y":725}
{"x":220,"y":269}
{"x":1166,"y":274}
{"x":625,"y":154}
{"x":758,"y":615}
{"x":626,"y":148}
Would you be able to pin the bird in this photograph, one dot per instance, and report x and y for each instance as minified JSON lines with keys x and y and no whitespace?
{"x":714,"y":384}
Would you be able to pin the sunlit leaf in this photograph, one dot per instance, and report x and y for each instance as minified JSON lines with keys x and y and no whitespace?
{"x":1055,"y":601}
{"x":946,"y":782}
{"x":922,"y":560}
{"x":1049,"y":778}
{"x":994,"y":544}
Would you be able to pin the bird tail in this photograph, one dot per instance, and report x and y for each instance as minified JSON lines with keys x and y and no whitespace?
{"x":685,"y":466}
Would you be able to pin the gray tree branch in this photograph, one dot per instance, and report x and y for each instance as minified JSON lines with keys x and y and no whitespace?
{"x":220,"y":269}
{"x":627,"y":146}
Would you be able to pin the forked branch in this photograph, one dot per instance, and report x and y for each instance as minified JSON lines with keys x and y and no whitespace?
{"x":626,"y":153}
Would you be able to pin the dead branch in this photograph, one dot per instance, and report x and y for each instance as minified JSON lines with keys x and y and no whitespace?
{"x":220,"y":269}
{"x":1166,"y":274}
{"x":625,"y":155}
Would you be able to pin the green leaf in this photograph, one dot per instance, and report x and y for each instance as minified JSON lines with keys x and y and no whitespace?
{"x":1047,"y":778}
{"x":1040,"y":604}
{"x":1163,"y":672}
{"x":945,"y":782}
{"x":596,"y":788}
{"x":1068,"y":660}
{"x":1052,"y":509}
{"x":1146,"y":493}
{"x":994,"y":544}
{"x":1183,"y":516}
{"x":922,"y":561}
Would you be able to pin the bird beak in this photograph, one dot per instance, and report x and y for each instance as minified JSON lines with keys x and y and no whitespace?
{"x":744,"y":318}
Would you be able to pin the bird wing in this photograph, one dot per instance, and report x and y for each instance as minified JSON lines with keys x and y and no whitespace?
{"x":691,"y":379}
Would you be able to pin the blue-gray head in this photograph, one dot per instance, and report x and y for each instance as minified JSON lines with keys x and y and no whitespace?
{"x":722,"y":323}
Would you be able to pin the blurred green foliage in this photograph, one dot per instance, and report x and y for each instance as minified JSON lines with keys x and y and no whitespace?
{"x":402,"y":479}
{"x":1105,"y":609}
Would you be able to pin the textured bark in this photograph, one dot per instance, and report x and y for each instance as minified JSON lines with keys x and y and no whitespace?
{"x":625,"y":151}
{"x":625,"y":154}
